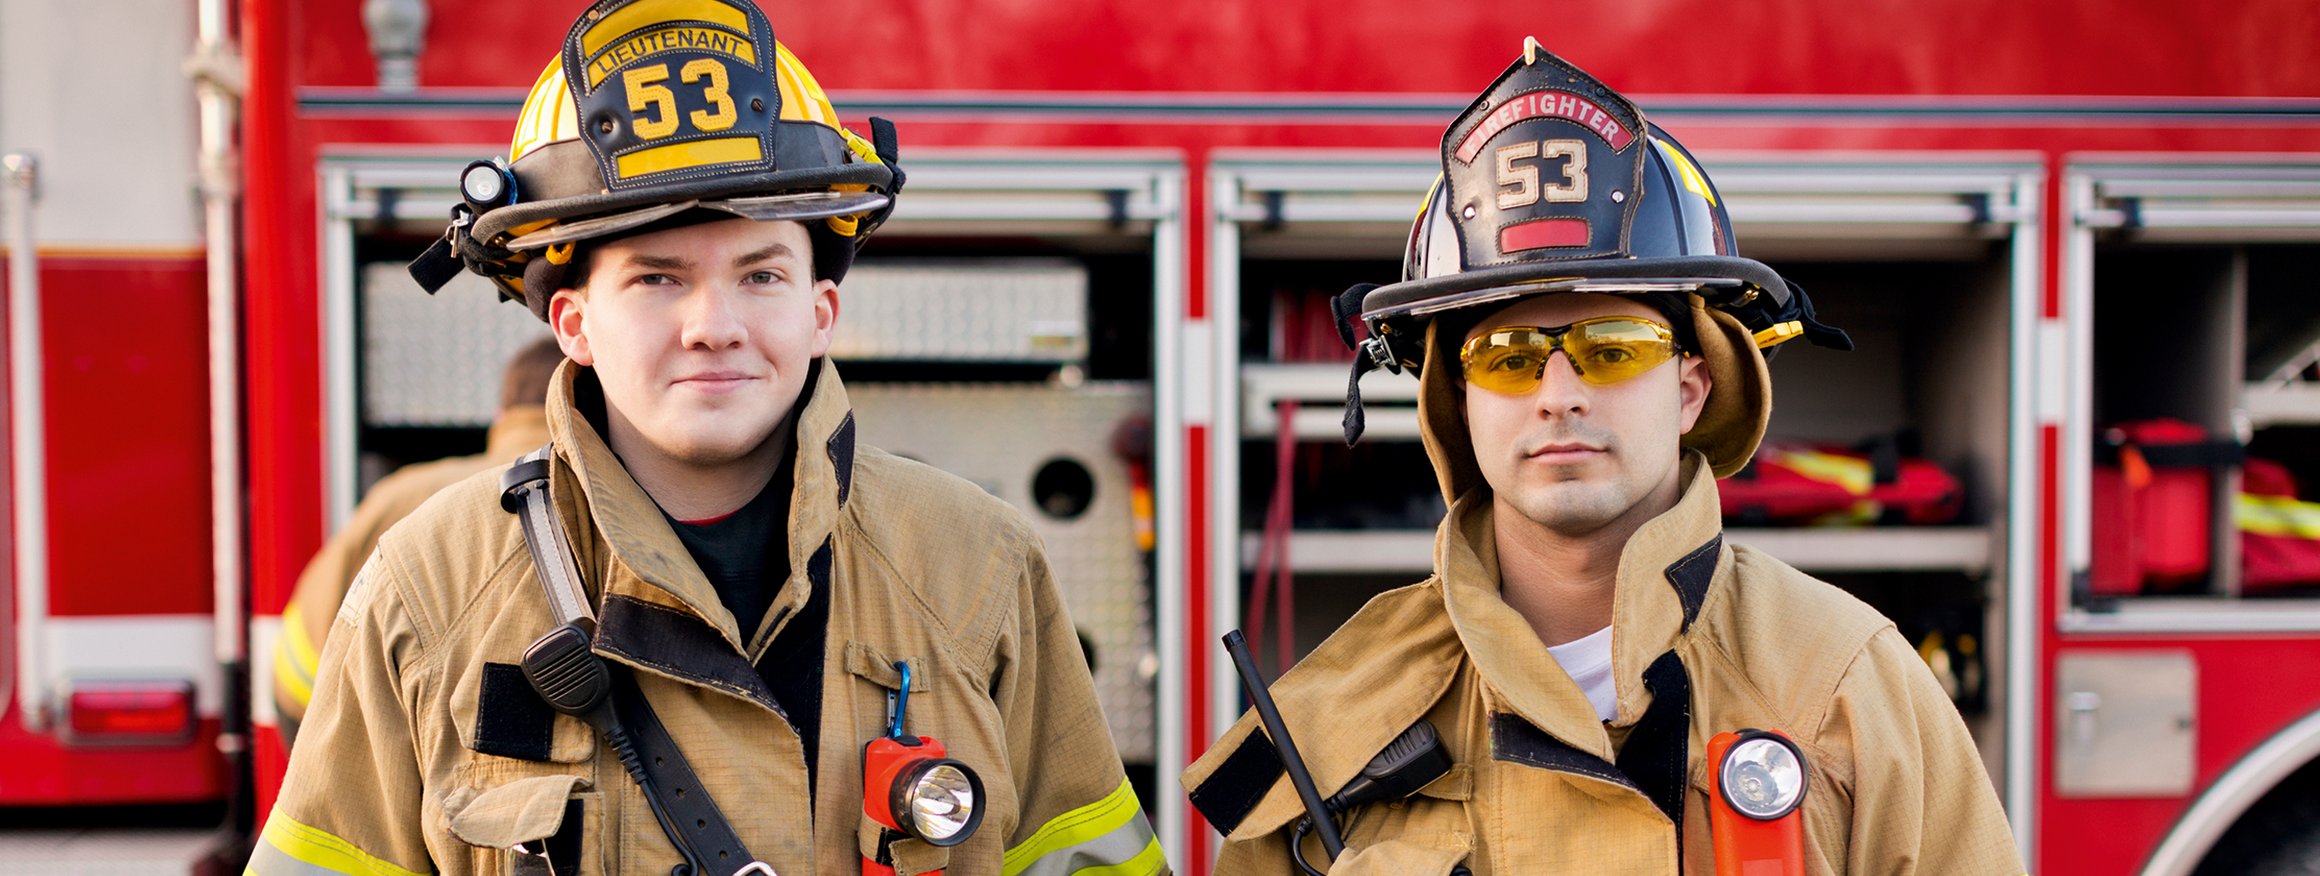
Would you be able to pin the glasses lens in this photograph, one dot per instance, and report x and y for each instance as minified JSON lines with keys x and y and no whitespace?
{"x":1507,"y":360}
{"x":1615,"y":349}
{"x":1603,"y":350}
{"x":942,"y":803}
{"x":1762,"y":778}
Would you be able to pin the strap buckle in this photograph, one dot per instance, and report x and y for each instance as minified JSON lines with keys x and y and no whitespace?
{"x":1382,"y":353}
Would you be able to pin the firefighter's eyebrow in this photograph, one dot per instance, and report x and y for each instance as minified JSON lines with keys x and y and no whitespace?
{"x":659,"y":263}
{"x":770,"y":253}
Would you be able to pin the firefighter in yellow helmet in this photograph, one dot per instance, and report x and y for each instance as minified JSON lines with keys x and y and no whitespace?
{"x":1588,"y":345}
{"x":703,"y":631}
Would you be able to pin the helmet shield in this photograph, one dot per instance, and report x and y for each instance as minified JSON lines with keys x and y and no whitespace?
{"x":669,"y":89}
{"x":1544,"y":167}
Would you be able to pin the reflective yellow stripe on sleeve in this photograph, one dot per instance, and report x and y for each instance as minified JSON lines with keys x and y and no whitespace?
{"x":295,"y":660}
{"x":1106,"y":838}
{"x":288,"y":848}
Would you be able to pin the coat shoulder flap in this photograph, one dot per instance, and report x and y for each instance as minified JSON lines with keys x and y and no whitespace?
{"x":1788,"y":637}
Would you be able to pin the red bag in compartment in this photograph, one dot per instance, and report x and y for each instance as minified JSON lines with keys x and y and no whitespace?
{"x":2279,"y":536}
{"x":1792,"y":484}
{"x":2152,"y":505}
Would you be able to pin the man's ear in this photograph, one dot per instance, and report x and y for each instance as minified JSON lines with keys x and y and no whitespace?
{"x":1693,"y":383}
{"x":566,"y":317}
{"x":825,"y":316}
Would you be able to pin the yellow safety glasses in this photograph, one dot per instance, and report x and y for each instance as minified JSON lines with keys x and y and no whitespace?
{"x":1604,"y":350}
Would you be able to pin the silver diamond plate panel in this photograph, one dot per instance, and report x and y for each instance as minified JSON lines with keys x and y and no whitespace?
{"x":999,"y":436}
{"x":436,"y":360}
{"x":987,"y":310}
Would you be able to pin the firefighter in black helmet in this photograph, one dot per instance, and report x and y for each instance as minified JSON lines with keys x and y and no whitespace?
{"x":1590,"y":347}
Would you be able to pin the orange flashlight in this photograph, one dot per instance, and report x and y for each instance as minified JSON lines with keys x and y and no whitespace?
{"x":912,"y":788}
{"x":1755,"y":790}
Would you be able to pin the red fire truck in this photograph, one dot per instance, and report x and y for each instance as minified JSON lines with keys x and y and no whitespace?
{"x":2075,"y":243}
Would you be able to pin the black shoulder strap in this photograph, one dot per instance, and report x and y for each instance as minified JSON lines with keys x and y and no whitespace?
{"x":557,"y":665}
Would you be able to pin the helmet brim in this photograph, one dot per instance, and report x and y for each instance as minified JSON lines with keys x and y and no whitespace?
{"x":793,"y":206}
{"x":1483,"y":286}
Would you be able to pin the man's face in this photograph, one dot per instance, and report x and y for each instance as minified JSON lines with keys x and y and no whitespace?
{"x":702,"y":336}
{"x":1573,"y":456}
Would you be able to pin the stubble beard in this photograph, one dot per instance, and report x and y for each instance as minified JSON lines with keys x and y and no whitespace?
{"x":1571,"y":506}
{"x":1571,"y":499}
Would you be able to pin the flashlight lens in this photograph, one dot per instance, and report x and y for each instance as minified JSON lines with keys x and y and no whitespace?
{"x":942,"y":803}
{"x":1762,"y":778}
{"x":483,"y":184}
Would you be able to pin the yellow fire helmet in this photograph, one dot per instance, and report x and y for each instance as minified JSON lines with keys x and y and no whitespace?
{"x":653,"y":109}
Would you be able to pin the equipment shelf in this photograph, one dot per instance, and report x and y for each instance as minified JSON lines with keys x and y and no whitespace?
{"x":1391,"y":401}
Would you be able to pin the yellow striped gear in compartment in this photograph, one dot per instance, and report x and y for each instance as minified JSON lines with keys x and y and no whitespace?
{"x":655,"y":108}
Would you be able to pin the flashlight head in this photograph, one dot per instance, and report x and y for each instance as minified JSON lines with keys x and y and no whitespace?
{"x":913,"y":787}
{"x":485,"y":184}
{"x":1762,"y":775}
{"x":938,"y":800}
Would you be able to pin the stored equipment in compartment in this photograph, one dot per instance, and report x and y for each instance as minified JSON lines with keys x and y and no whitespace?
{"x":1814,"y":485}
{"x":2279,"y":534}
{"x":2153,"y":487}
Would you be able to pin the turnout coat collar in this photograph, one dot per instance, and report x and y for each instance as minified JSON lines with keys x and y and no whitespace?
{"x":1665,"y":572}
{"x":657,"y":612}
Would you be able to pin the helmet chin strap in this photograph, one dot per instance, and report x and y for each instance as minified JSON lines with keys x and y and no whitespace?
{"x":1800,"y":309}
{"x":1355,"y":421}
{"x":1368,"y":355}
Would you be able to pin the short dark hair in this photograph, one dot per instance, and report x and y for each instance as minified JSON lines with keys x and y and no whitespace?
{"x":525,"y":382}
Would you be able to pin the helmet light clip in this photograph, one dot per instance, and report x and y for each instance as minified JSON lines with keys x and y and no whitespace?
{"x":898,"y":701}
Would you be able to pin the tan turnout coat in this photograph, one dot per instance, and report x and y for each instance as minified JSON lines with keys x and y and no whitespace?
{"x":420,"y":753}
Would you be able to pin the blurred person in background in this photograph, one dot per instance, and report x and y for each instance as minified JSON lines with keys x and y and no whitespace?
{"x":520,"y":427}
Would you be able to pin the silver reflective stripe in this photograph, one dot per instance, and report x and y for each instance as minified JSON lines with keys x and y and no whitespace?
{"x":558,"y":575}
{"x":1128,"y":850}
{"x":271,"y":861}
